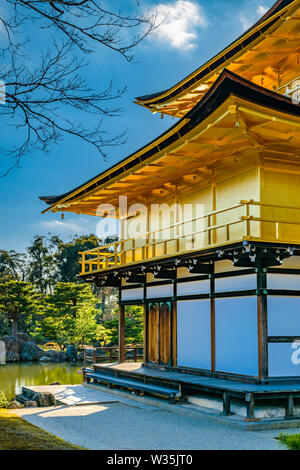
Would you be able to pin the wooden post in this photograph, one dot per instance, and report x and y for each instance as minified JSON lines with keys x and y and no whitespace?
{"x":121,"y":333}
{"x":250,"y":402}
{"x":82,"y":263}
{"x":247,"y":215}
{"x":226,"y":404}
{"x":262,"y":321}
{"x":145,"y":358}
{"x":289,"y":408}
{"x":213,"y":321}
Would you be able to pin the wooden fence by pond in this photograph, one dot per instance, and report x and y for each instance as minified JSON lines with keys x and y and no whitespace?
{"x":111,"y":354}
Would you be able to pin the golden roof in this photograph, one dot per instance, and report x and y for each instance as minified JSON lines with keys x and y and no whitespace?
{"x":268,"y":54}
{"x":234,"y":119}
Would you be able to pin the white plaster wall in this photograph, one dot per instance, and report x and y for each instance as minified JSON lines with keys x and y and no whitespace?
{"x":283,"y":316}
{"x":236,"y":335}
{"x":193,"y":287}
{"x":132,"y":294}
{"x":234,"y":283}
{"x":284,"y":360}
{"x":193,"y":334}
{"x":155,"y":292}
{"x":283,"y":281}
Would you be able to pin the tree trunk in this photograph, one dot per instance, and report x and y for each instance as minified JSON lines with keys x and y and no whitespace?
{"x":14,"y":328}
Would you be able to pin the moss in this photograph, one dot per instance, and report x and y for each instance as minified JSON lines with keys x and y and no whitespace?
{"x":17,"y":434}
{"x":292,"y":441}
{"x":3,"y":400}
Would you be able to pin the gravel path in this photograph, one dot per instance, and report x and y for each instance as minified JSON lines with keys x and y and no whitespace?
{"x":122,"y":426}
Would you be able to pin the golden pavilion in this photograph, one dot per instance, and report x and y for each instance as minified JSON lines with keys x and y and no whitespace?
{"x":209,"y":220}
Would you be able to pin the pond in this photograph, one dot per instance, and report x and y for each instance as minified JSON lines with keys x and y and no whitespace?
{"x":14,"y":376}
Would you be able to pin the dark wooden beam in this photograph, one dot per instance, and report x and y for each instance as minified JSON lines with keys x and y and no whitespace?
{"x":165,"y":274}
{"x":136,"y":279}
{"x":108,"y":282}
{"x":262,"y":320}
{"x":121,"y":333}
{"x":283,"y":339}
{"x":201,"y":269}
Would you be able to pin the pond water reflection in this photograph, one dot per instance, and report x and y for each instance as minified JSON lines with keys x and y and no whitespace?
{"x":14,"y":376}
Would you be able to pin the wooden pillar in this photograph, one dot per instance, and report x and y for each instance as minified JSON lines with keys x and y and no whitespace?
{"x":250,"y":402}
{"x":145,"y":333}
{"x":262,"y":317}
{"x":289,"y":408}
{"x":122,"y":333}
{"x":226,"y":404}
{"x":213,"y":321}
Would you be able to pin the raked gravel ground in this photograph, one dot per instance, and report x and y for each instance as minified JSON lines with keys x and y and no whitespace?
{"x":122,"y":426}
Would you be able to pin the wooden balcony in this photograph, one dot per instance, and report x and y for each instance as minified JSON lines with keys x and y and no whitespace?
{"x":247,"y":220}
{"x":111,"y":354}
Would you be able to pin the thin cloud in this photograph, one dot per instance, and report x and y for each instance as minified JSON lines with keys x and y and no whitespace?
{"x":262,"y":10}
{"x":178,"y":23}
{"x":70,"y":226}
{"x":248,"y":18}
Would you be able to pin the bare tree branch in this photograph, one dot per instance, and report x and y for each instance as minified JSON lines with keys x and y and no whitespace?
{"x":50,"y":101}
{"x":85,"y":22}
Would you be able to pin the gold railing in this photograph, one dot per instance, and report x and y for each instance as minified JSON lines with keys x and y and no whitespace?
{"x":247,"y":220}
{"x":290,"y":89}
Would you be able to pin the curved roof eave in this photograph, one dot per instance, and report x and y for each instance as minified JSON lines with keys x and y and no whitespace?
{"x":227,"y":84}
{"x":209,"y":66}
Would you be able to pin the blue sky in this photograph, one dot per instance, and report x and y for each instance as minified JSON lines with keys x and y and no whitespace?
{"x":193,"y":32}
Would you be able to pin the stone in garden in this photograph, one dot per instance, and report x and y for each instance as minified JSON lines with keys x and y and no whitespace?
{"x":2,"y":353}
{"x":45,"y":359}
{"x":12,"y":356}
{"x":81,"y":356}
{"x":23,"y":336}
{"x":13,"y":405}
{"x":30,"y":404}
{"x":44,"y":399}
{"x":62,"y":357}
{"x":31,"y":352}
{"x":71,"y":353}
{"x":56,"y":356}
{"x":13,"y":344}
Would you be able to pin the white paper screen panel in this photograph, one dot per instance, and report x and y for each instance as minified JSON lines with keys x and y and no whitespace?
{"x":155,"y":292}
{"x":284,"y":361}
{"x":283,"y":316}
{"x":283,"y":281}
{"x":234,"y":283}
{"x":132,"y":294}
{"x":193,"y":334}
{"x":236,"y":335}
{"x":193,"y":287}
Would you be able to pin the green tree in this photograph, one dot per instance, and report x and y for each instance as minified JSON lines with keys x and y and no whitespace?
{"x":13,"y":265}
{"x":67,"y":254}
{"x":43,"y":271}
{"x":134,"y":326}
{"x":20,"y":304}
{"x":64,"y":311}
{"x":85,"y":327}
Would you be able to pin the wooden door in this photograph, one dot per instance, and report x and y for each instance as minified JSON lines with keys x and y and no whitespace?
{"x":159,"y":333}
{"x":165,"y":333}
{"x":153,"y":333}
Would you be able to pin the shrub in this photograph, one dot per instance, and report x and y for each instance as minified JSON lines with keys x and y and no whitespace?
{"x":292,"y":441}
{"x":3,"y":400}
